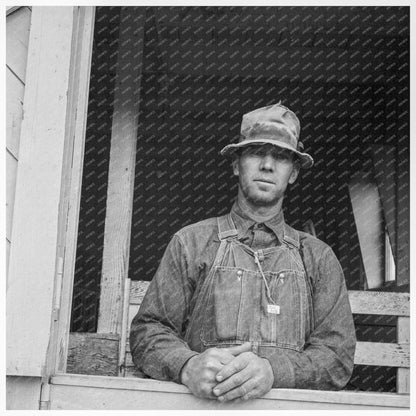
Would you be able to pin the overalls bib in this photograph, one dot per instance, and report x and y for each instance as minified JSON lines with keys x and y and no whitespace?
{"x":259,"y":296}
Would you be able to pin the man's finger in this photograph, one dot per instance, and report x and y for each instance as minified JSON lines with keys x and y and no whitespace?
{"x":235,"y":366}
{"x":232,"y":382}
{"x":244,"y":390}
{"x":238,"y":349}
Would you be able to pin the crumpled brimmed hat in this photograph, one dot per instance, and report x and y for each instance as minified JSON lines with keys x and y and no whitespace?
{"x":274,"y":124}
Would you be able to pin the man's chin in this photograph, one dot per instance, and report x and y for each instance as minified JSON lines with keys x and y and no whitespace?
{"x":262,"y":201}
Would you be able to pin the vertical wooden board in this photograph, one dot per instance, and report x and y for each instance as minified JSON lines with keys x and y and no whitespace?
{"x":32,"y":267}
{"x":15,"y":90}
{"x":82,"y":61}
{"x":403,"y":337}
{"x":22,"y":393}
{"x":17,"y":40}
{"x":366,"y":205}
{"x":121,"y":171}
{"x":11,"y":173}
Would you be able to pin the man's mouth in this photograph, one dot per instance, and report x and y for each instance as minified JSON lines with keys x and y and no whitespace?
{"x":264,"y":181}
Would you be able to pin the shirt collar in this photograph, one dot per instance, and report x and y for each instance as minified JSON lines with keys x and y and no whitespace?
{"x":243,"y":222}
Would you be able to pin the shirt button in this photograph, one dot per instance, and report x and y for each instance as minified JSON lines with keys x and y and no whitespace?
{"x":281,"y":275}
{"x":239,"y":273}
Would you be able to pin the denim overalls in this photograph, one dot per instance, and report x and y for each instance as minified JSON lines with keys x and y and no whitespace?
{"x":259,"y":296}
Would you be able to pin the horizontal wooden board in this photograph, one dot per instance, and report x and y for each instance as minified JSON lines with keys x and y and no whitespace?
{"x":94,"y":392}
{"x":379,"y":303}
{"x":382,"y":354}
{"x":362,"y":302}
{"x":367,"y":353}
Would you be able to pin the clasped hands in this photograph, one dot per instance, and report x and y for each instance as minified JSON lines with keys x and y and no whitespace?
{"x":226,"y":374}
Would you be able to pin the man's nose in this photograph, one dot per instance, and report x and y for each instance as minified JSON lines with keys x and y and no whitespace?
{"x":267,"y":163}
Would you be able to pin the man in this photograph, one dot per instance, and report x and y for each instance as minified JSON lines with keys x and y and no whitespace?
{"x":243,"y":303}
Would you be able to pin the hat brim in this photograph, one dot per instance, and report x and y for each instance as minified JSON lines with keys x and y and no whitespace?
{"x":305,"y":158}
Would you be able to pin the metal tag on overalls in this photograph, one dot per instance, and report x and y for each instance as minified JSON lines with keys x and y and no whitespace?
{"x":273,"y":309}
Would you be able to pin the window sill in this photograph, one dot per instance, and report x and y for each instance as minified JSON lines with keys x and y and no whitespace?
{"x":70,"y":391}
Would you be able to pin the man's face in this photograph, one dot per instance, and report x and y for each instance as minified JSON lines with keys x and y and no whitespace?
{"x":264,"y":171}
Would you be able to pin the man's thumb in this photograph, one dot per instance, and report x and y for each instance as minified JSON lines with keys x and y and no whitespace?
{"x":238,"y":349}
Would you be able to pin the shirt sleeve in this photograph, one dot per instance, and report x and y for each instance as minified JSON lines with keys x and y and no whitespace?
{"x":327,"y":361}
{"x":157,"y":331}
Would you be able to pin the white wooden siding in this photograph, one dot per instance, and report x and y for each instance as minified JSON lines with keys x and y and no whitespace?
{"x":17,"y":40}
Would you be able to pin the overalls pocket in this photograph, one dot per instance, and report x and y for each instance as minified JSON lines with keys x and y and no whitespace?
{"x":223,"y":323}
{"x":282,"y":321}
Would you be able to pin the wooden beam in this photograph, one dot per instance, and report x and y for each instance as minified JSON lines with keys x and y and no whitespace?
{"x":95,"y":392}
{"x":382,"y":354}
{"x":76,"y":123}
{"x":379,"y":303}
{"x":362,"y":302}
{"x":33,"y":266}
{"x":121,"y":171}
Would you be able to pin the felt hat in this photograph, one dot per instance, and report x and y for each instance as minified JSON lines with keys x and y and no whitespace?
{"x":274,"y":124}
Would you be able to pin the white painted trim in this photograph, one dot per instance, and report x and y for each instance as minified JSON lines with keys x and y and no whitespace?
{"x":116,"y":389}
{"x":76,"y":123}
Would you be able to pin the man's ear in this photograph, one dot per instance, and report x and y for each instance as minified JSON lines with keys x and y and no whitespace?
{"x":235,"y":166}
{"x":295,"y":172}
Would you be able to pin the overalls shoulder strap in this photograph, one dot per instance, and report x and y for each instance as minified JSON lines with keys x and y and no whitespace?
{"x":226,"y":229}
{"x":292,"y":237}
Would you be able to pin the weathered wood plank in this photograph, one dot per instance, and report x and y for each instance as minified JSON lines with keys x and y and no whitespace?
{"x":362,"y":302}
{"x":383,"y":354}
{"x":17,"y":40}
{"x":403,"y":337}
{"x":121,"y":171}
{"x":379,"y":303}
{"x":138,"y":289}
{"x":91,"y":353}
{"x":33,"y":262}
{"x":367,"y":353}
{"x":94,"y":392}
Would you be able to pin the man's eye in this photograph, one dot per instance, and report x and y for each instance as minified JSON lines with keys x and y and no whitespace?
{"x":281,"y":155}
